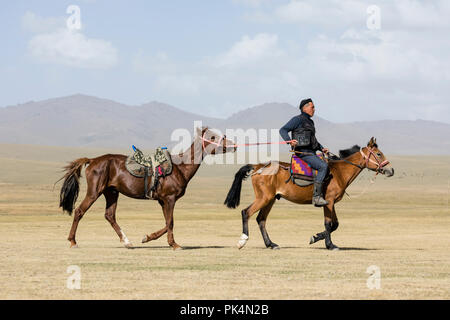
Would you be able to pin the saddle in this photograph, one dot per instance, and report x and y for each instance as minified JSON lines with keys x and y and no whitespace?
{"x":154,"y":166}
{"x":301,"y":172}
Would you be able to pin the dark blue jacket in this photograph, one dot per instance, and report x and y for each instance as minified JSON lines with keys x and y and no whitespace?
{"x":297,"y":123}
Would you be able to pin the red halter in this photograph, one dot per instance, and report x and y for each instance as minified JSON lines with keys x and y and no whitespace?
{"x":380,"y":165}
{"x":211,"y":142}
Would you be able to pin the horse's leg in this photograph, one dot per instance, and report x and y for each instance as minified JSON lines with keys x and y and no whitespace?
{"x":261,"y":219}
{"x":257,"y":205}
{"x":154,"y":235}
{"x":331,"y":224}
{"x":157,"y":234}
{"x":169,"y":205}
{"x":90,"y":198}
{"x":111,"y":197}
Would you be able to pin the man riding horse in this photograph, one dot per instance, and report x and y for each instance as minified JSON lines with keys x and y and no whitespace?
{"x":305,"y":145}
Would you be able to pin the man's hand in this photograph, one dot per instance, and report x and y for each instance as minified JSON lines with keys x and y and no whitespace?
{"x":325,"y":150}
{"x":294,"y":143}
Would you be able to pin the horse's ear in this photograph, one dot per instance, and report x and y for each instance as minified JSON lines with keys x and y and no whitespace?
{"x":375,"y":144}
{"x":371,"y":142}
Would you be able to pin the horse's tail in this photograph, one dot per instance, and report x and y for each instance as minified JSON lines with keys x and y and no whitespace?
{"x":234,"y":195}
{"x":71,"y":186}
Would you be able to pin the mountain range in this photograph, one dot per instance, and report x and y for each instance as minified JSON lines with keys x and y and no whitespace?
{"x":81,"y":120}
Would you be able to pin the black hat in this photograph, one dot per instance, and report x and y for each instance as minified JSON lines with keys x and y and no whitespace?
{"x":305,"y":101}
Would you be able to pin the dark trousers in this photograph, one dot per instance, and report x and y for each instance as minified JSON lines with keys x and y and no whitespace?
{"x":318,"y":164}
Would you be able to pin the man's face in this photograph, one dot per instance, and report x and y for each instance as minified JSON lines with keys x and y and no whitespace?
{"x":309,"y":109}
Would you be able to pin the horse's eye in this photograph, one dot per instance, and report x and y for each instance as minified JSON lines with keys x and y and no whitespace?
{"x":213,"y":138}
{"x":379,"y":154}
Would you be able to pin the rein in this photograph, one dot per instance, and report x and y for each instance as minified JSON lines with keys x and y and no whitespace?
{"x":367,"y":159}
{"x":380,"y":165}
{"x":349,"y":162}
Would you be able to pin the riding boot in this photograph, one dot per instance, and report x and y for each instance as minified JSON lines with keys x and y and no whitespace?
{"x":318,"y":199}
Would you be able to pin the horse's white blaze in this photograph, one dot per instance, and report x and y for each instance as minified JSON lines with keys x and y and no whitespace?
{"x":242,"y":241}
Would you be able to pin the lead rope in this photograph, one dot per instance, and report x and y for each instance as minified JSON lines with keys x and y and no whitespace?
{"x":238,"y":145}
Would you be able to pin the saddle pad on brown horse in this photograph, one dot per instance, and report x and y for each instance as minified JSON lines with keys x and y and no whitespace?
{"x":137,"y":163}
{"x":135,"y":168}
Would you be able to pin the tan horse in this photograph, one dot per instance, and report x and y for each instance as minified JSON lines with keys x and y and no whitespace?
{"x":270,"y":186}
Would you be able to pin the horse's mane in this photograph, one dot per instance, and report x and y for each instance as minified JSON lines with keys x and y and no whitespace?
{"x":348,"y":152}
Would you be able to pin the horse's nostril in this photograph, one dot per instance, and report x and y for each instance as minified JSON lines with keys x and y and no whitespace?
{"x":389,"y":172}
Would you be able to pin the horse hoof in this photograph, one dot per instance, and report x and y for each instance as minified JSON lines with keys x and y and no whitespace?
{"x":176,"y":248}
{"x":273,"y":246}
{"x":241,"y":244}
{"x":242,"y":241}
{"x":333,"y":248}
{"x":145,"y":239}
{"x":312,"y":240}
{"x":74,"y":246}
{"x":127,"y":244}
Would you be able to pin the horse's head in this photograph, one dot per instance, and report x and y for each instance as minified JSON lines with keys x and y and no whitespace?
{"x":375,"y":159}
{"x":214,"y":143}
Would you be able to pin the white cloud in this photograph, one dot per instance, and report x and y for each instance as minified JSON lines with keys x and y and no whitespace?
{"x":251,"y":50}
{"x":54,"y":43}
{"x":324,"y":13}
{"x":400,"y":72}
{"x":251,"y":3}
{"x":34,"y":23}
{"x":421,"y":14}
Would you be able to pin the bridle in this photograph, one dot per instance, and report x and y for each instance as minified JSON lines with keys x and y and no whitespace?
{"x":380,"y":164}
{"x":223,"y":138}
{"x":367,"y":158}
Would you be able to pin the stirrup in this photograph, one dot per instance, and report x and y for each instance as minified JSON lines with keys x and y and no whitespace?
{"x":319,"y":201}
{"x":151,"y":194}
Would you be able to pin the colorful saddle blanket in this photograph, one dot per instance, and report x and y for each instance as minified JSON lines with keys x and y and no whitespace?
{"x":302,"y":170}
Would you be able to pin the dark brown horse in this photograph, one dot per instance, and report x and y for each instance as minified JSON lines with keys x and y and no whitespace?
{"x":269,"y":184}
{"x":107,"y":175}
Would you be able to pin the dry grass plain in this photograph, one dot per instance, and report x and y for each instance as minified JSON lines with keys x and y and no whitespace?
{"x":399,"y":224}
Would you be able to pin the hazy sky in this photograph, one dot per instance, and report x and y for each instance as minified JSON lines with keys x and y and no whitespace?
{"x":357,"y":62}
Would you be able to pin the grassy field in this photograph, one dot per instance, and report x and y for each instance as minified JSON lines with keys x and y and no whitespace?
{"x":400,"y":225}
